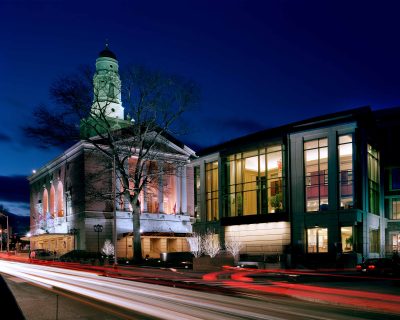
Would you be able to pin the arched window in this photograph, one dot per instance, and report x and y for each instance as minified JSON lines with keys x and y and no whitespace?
{"x":60,"y":197}
{"x":52,"y":201}
{"x":45,"y":202}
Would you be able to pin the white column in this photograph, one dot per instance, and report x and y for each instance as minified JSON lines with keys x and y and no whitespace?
{"x":184,"y":190}
{"x":144,"y":191}
{"x":178,"y":189}
{"x":160,"y":197}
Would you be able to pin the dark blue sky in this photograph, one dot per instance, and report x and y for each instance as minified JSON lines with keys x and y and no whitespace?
{"x":259,"y":64}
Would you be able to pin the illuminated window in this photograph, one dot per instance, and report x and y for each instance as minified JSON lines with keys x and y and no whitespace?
{"x":392,"y":208}
{"x":345,"y":156}
{"x":374,"y":240}
{"x":317,"y":240}
{"x":373,"y":180}
{"x":212,"y":190}
{"x":254,"y":182}
{"x":274,"y":178}
{"x":197,"y":191}
{"x":316,"y":174}
{"x":249,"y":179}
{"x":396,"y":208}
{"x":347,"y":238}
{"x":396,"y":242}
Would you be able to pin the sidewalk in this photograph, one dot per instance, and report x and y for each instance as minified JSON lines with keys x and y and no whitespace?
{"x":8,"y":302}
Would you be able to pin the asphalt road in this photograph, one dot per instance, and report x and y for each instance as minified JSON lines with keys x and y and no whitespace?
{"x":45,"y":292}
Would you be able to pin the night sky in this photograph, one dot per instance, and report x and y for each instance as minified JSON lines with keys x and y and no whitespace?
{"x":258,"y":64}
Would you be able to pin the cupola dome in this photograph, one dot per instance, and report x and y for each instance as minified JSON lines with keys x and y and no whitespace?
{"x":107,"y":53}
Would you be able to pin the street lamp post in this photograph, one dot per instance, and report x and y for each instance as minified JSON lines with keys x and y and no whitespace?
{"x":8,"y":232}
{"x":98,"y":228}
{"x":74,"y":232}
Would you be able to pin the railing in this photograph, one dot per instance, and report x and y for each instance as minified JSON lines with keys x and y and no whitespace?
{"x":59,"y":220}
{"x":161,"y":222}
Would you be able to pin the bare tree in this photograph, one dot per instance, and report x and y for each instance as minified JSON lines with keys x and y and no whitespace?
{"x":108,"y":248}
{"x":233,"y":245}
{"x":153,"y":102}
{"x":195,"y":244}
{"x":211,"y":244}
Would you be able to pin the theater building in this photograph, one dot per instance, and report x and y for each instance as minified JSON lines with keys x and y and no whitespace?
{"x":320,"y":191}
{"x":315,"y":190}
{"x":64,"y":215}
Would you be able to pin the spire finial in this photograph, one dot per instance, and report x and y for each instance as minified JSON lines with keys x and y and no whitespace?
{"x":106,"y":43}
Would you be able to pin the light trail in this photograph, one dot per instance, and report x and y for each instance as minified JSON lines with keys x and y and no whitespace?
{"x":346,"y":297}
{"x":164,"y":302}
{"x":156,"y":301}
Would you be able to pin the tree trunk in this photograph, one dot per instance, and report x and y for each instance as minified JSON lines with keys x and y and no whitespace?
{"x":137,"y":243}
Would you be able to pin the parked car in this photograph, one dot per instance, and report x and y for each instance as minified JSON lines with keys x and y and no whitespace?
{"x":42,"y":254}
{"x":177,"y":259}
{"x":376,"y":266}
{"x":83,"y":256}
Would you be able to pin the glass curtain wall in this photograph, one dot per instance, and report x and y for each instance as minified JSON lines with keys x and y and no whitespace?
{"x":345,"y":156}
{"x":254,"y":182}
{"x":392,"y":188}
{"x":316,"y":174}
{"x":373,"y":180}
{"x":212,"y":190}
{"x":374,"y":240}
{"x":197,"y":191}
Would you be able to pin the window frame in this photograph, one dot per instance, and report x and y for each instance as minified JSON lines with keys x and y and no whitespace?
{"x":373,"y":186}
{"x":236,"y":189}
{"x":197,"y":192}
{"x":344,"y":244}
{"x":317,"y":240}
{"x":322,"y":179}
{"x":349,"y":173}
{"x":212,"y":196}
{"x":391,"y":179}
{"x":389,"y":207}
